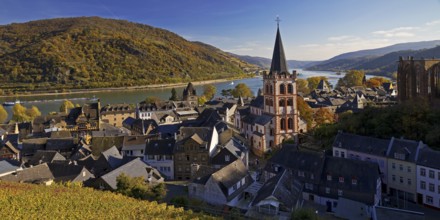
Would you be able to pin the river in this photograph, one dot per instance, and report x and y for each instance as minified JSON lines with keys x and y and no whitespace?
{"x":50,"y":103}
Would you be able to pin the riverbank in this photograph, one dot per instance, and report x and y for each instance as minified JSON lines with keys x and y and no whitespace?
{"x":125,"y":88}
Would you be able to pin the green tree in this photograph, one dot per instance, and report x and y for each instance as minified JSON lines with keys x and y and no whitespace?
{"x":202,"y":100}
{"x":19,"y":113}
{"x":152,"y":99}
{"x":179,"y":201}
{"x":304,"y":214}
{"x":136,"y":187}
{"x":226,"y":92}
{"x":159,"y":191}
{"x":303,"y":86}
{"x":313,"y":82}
{"x":209,"y":91}
{"x":33,"y":112}
{"x":242,"y":90}
{"x":66,"y":106}
{"x":173,"y":95}
{"x":3,"y":114}
{"x":351,"y":78}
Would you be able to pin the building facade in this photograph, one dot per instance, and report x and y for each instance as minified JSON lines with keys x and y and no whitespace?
{"x":115,"y":114}
{"x":428,"y":178}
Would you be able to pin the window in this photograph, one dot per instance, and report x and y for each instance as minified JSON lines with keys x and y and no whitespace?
{"x":342,"y":154}
{"x":329,"y":177}
{"x":234,"y":187}
{"x":301,"y":173}
{"x":339,"y":192}
{"x":409,"y":181}
{"x":429,"y":199}
{"x":283,"y":124}
{"x":422,"y":184}
{"x":422,"y":172}
{"x":400,"y":166}
{"x":151,"y":157}
{"x":393,"y":165}
{"x":327,"y":190}
{"x":354,"y":181}
{"x":309,"y":186}
{"x":227,"y":158}
{"x":282,"y":89}
{"x":187,"y":157}
{"x":341,"y":179}
{"x":431,"y":174}
{"x":336,"y":153}
{"x":438,"y":189}
{"x":312,"y":176}
{"x":438,"y":175}
{"x":394,"y":178}
{"x":290,"y":88}
{"x":431,"y":187}
{"x":409,"y":169}
{"x":401,"y":179}
{"x":290,"y":123}
{"x":168,"y":157}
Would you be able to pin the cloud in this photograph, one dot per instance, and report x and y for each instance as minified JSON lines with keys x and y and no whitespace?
{"x":397,"y":32}
{"x":432,"y":23}
{"x":343,"y":38}
{"x":309,"y":45}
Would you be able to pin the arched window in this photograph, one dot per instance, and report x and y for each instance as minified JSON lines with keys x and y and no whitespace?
{"x":283,"y":124}
{"x":290,"y":88}
{"x":270,"y":143}
{"x":282,"y":103}
{"x":267,"y":88}
{"x":290,"y":123}
{"x":282,"y":89}
{"x":271,"y":90}
{"x":289,"y":102}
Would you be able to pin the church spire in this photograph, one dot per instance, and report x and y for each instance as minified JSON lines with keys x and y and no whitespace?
{"x":279,"y":63}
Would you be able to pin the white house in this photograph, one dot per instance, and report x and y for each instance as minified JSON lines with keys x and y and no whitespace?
{"x":428,"y":178}
{"x":159,"y":154}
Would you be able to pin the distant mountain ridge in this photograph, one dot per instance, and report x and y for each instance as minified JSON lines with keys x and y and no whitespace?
{"x":87,"y":52}
{"x":265,"y":62}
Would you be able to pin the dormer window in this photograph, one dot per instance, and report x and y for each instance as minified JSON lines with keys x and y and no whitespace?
{"x":329,"y":177}
{"x":301,"y":173}
{"x":339,"y":192}
{"x":227,"y":158}
{"x":354,"y":181}
{"x":341,"y":179}
{"x":399,"y":156}
{"x":276,"y":168}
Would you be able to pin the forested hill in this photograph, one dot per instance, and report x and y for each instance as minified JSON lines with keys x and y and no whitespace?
{"x":97,"y":52}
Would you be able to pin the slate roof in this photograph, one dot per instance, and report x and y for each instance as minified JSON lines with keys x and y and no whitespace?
{"x":279,"y":64}
{"x":129,"y":121}
{"x":36,"y":174}
{"x":61,"y":144}
{"x":134,"y":142}
{"x":60,"y":134}
{"x":282,"y":187}
{"x":69,"y":172}
{"x":43,"y":156}
{"x":409,"y":148}
{"x":429,"y":158}
{"x":366,"y":174}
{"x":160,"y":147}
{"x":112,"y":156}
{"x":116,"y":108}
{"x":203,"y":134}
{"x":134,"y":168}
{"x":8,"y":166}
{"x":11,"y":147}
{"x":364,"y":144}
{"x":258,"y":102}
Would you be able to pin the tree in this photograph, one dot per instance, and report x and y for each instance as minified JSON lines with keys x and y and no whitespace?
{"x":3,"y":114}
{"x":159,"y":191}
{"x":33,"y":112}
{"x":19,"y":113}
{"x":351,"y":78}
{"x":305,"y":112}
{"x":376,"y":82}
{"x":66,"y":106}
{"x":179,"y":201}
{"x":302,"y":86}
{"x":173,"y":95}
{"x":202,"y":100}
{"x":152,"y":99}
{"x":313,"y":82}
{"x":323,"y":116}
{"x":242,"y":90}
{"x":226,"y":92}
{"x":304,"y":214}
{"x":136,"y":187}
{"x":209,"y":91}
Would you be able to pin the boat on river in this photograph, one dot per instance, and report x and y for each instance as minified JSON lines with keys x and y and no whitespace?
{"x":11,"y":103}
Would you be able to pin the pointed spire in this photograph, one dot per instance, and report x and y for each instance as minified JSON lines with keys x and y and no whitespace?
{"x":279,"y":63}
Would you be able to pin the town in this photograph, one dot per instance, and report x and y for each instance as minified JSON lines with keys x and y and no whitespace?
{"x":246,"y":154}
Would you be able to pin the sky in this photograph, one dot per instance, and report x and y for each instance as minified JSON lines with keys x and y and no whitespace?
{"x":310,"y":29}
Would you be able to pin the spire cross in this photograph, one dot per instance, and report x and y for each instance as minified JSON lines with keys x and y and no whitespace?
{"x":278,"y":21}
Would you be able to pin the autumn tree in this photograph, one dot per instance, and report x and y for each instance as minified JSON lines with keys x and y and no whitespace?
{"x":66,"y":106}
{"x":136,"y":187}
{"x":3,"y":114}
{"x":313,"y":82}
{"x":202,"y":100}
{"x":323,"y":116}
{"x":302,"y":86}
{"x":305,"y":112}
{"x":351,"y":78}
{"x":33,"y":112}
{"x":376,"y":82}
{"x":209,"y":91}
{"x":173,"y":95}
{"x":242,"y":90}
{"x":152,"y":99}
{"x":19,"y":113}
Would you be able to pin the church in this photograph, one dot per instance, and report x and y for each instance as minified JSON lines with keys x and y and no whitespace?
{"x":272,"y":117}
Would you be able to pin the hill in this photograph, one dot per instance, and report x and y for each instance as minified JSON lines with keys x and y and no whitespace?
{"x":383,"y":65}
{"x":87,"y":52}
{"x":265,"y":62}
{"x":28,"y":201}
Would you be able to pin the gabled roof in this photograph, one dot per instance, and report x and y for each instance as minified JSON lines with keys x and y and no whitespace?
{"x":137,"y":142}
{"x":63,"y":144}
{"x":36,"y":174}
{"x":8,"y":166}
{"x":364,"y":144}
{"x":279,"y":64}
{"x":45,"y":157}
{"x":429,"y":158}
{"x":197,"y":134}
{"x":409,"y":148}
{"x":134,"y":168}
{"x":258,"y":102}
{"x":112,"y":156}
{"x":230,"y":175}
{"x":63,"y":172}
{"x":11,"y":147}
{"x":282,"y":187}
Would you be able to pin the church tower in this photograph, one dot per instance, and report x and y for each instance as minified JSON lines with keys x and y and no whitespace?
{"x":280,"y":95}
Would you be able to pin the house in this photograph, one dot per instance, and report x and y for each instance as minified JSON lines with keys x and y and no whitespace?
{"x":194,"y":145}
{"x":43,"y":156}
{"x":9,"y":166}
{"x":115,"y":114}
{"x":223,"y":187}
{"x":428,"y":178}
{"x":139,"y":126}
{"x":39,"y":174}
{"x":134,"y":146}
{"x":31,"y":146}
{"x":229,"y":152}
{"x":69,"y":172}
{"x":160,"y":155}
{"x":85,"y":118}
{"x":364,"y":148}
{"x":107,"y":161}
{"x":134,"y":168}
{"x":190,"y":94}
{"x":280,"y":194}
{"x":402,"y":157}
{"x":8,"y":151}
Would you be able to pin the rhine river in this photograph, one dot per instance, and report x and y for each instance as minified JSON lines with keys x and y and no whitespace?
{"x":50,"y":103}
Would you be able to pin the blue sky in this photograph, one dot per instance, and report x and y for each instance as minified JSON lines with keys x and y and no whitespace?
{"x":311,"y":29}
